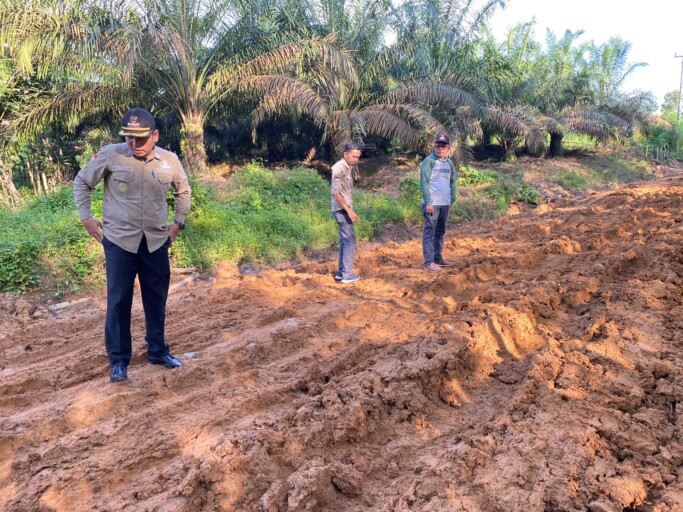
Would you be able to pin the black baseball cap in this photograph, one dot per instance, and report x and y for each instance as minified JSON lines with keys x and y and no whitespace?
{"x":442,"y":139}
{"x":137,"y":122}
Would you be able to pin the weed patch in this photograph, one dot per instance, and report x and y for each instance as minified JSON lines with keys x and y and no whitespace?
{"x":261,"y":216}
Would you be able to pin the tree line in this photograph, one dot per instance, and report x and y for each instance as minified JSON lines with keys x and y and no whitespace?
{"x":294,"y":79}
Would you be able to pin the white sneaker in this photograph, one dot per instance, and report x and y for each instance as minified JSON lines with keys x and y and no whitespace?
{"x":350,"y":279}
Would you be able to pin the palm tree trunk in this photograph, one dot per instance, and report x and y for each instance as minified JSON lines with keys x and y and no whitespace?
{"x":509,"y":148}
{"x":8,"y":192}
{"x":486,"y":137}
{"x":29,"y":171}
{"x":43,"y":179}
{"x":555,"y":144}
{"x":192,"y":144}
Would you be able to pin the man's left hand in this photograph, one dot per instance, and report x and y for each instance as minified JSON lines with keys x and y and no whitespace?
{"x":173,"y":230}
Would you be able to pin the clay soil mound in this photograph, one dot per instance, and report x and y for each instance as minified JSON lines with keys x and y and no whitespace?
{"x":542,"y":373}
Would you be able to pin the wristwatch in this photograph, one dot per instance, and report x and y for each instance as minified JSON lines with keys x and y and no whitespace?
{"x":181,"y":225}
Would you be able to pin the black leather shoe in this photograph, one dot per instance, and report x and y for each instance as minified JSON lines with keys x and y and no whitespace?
{"x":118,"y":373}
{"x":168,"y":361}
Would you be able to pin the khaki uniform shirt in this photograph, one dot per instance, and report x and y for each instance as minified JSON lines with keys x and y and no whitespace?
{"x":342,"y":183}
{"x":134,"y":194}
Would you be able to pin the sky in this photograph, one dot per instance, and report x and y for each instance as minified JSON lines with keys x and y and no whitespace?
{"x":654,"y":28}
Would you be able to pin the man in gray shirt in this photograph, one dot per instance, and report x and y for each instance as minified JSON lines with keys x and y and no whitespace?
{"x":135,"y":233}
{"x":342,"y":211}
{"x":438,"y":184}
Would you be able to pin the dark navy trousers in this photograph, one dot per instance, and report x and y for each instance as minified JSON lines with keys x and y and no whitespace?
{"x":154,"y":274}
{"x":433,"y":232}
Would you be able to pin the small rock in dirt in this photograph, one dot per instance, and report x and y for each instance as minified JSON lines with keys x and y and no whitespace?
{"x":602,"y":506}
{"x":347,"y":480}
{"x":39,"y":313}
{"x":275,"y":498}
{"x":70,"y":306}
{"x":7,"y":303}
{"x":22,"y":307}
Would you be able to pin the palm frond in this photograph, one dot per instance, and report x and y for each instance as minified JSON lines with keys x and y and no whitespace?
{"x":596,"y":123}
{"x":464,"y":123}
{"x":384,"y":123}
{"x":434,"y":94}
{"x":68,"y":107}
{"x":461,"y":154}
{"x":518,"y":121}
{"x":467,"y":24}
{"x":269,"y":106}
{"x":281,"y":60}
{"x":289,"y":91}
{"x":414,"y":115}
{"x":341,"y":129}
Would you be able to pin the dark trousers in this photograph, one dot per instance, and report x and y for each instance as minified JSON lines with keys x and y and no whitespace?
{"x":154,"y":273}
{"x":347,"y":242}
{"x":433,"y":233}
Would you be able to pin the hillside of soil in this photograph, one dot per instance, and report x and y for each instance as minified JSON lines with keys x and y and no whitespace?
{"x":542,"y":373}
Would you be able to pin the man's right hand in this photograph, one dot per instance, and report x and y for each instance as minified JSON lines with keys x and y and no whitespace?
{"x":430,"y":209}
{"x":352,"y":215}
{"x":94,"y":228}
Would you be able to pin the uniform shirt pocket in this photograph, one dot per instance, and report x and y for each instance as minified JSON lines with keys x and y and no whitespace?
{"x":121,"y":181}
{"x":158,"y":192}
{"x":164,"y":177}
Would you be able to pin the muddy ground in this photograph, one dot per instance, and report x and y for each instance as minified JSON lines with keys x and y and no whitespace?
{"x":543,"y":372}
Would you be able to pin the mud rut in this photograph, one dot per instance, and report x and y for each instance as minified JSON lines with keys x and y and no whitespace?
{"x":543,"y":373}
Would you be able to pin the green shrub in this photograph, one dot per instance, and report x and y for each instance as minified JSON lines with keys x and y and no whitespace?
{"x":19,"y":265}
{"x":621,"y":170}
{"x":60,"y":200}
{"x":477,"y":207}
{"x":572,"y":181}
{"x":504,"y":192}
{"x":49,"y":244}
{"x":470,"y":176}
{"x":261,"y":189}
{"x":490,"y":199}
{"x":409,"y":190}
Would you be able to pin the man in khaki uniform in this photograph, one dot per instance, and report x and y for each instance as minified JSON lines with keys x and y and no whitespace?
{"x":342,"y":211}
{"x":135,"y":233}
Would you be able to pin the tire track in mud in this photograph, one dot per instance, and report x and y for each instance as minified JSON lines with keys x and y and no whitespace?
{"x":542,"y":372}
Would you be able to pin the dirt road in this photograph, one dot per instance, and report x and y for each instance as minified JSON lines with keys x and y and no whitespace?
{"x":543,"y":373}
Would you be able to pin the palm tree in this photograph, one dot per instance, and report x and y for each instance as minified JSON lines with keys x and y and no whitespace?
{"x":37,"y":42}
{"x":407,"y":91}
{"x":566,"y":86}
{"x":510,"y":81}
{"x":590,"y":100}
{"x":183,"y":59}
{"x":440,"y":32}
{"x":412,"y":113}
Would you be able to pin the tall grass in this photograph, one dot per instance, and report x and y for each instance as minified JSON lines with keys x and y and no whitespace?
{"x":271,"y":216}
{"x":45,"y":243}
{"x":263,"y":216}
{"x":267,"y":216}
{"x":602,"y":170}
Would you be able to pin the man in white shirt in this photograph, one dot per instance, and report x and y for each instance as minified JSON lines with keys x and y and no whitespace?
{"x":438,"y":184}
{"x":342,"y":211}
